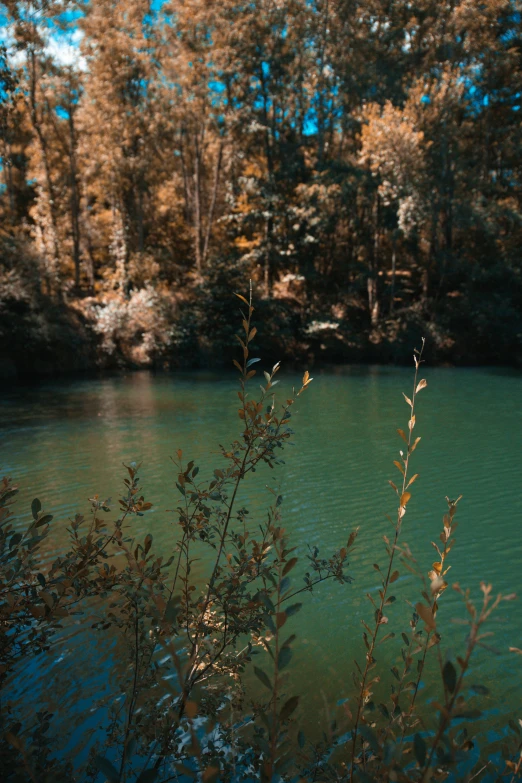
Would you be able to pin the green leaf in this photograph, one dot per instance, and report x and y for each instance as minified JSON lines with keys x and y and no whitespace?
{"x":285,"y":584}
{"x":148,"y":776}
{"x":171,"y":611}
{"x":419,"y":748}
{"x":370,"y":736}
{"x":107,"y":769}
{"x":130,"y":747}
{"x":265,"y":599}
{"x":289,"y":565}
{"x":449,"y":675}
{"x":44,"y":520}
{"x":470,"y":714}
{"x":36,"y":507}
{"x":186,"y":771}
{"x":261,"y":675}
{"x":293,"y":609}
{"x":288,"y":708}
{"x":284,"y":657}
{"x":15,"y":540}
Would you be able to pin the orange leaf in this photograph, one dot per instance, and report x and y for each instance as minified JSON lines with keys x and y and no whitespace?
{"x":281,"y":618}
{"x":413,"y":478}
{"x":191,"y":709}
{"x":398,"y":464}
{"x":426,"y":614}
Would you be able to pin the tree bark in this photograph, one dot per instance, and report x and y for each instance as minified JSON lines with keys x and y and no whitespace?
{"x":394,"y":264}
{"x":36,"y":123}
{"x":197,"y":204}
{"x":75,"y":200}
{"x":213,"y":200}
{"x":373,"y":297}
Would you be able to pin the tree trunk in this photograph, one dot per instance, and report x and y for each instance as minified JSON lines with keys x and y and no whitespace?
{"x":120,"y":249}
{"x":373,"y":297}
{"x":197,"y":204}
{"x":8,"y":168}
{"x":213,"y":200}
{"x":141,"y":231}
{"x":394,"y":266}
{"x":75,"y":201}
{"x":268,"y":254}
{"x":55,"y":259}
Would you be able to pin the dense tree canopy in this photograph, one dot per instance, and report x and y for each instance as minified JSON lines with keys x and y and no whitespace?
{"x":359,"y":159}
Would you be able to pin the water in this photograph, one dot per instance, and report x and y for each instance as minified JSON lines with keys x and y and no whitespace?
{"x":65,"y":441}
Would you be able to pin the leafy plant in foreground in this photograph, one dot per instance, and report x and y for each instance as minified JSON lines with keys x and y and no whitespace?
{"x":184,"y":708}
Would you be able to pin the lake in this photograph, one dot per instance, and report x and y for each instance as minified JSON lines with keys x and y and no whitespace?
{"x":65,"y":441}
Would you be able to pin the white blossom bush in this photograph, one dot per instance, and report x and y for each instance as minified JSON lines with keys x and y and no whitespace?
{"x":136,"y":328}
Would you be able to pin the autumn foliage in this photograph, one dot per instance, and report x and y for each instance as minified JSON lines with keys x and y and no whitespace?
{"x":359,"y":160}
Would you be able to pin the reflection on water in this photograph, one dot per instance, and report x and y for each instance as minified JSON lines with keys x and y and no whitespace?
{"x":65,"y":441}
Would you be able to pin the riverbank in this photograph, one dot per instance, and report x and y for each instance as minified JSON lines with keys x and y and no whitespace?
{"x":195,"y":326}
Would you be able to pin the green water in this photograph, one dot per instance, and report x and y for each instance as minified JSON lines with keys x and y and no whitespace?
{"x":65,"y":441}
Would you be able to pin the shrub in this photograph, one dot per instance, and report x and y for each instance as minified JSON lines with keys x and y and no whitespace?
{"x":191,"y":643}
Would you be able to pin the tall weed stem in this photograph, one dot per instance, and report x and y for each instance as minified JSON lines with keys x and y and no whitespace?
{"x":380,"y":618}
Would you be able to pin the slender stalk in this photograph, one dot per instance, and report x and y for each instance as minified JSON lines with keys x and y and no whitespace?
{"x":386,"y":583}
{"x":121,"y":775}
{"x":446,"y":713}
{"x":274,"y":728}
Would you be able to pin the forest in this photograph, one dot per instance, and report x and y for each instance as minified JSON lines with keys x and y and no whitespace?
{"x":359,"y":160}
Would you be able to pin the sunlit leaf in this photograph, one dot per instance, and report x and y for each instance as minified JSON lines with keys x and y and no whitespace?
{"x":425,"y":614}
{"x":399,"y":466}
